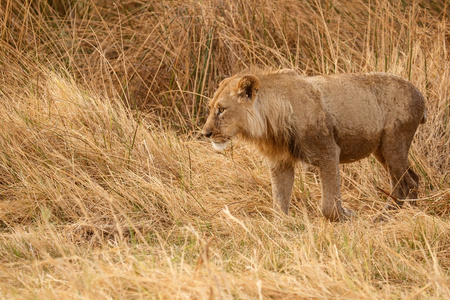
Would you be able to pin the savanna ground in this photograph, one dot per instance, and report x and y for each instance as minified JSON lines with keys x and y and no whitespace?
{"x":108,"y":191}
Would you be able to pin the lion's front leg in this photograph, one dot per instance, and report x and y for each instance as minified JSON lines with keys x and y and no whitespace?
{"x":331,"y":193}
{"x":282,"y":182}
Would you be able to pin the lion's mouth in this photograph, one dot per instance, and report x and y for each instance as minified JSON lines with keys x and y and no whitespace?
{"x":220,"y":146}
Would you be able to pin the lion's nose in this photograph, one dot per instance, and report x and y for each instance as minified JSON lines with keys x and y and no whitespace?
{"x":207,"y":133}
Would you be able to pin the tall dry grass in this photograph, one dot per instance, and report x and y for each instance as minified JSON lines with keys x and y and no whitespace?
{"x":107,"y":190}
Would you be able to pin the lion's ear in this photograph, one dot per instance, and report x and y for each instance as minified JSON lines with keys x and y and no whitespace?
{"x":248,"y":87}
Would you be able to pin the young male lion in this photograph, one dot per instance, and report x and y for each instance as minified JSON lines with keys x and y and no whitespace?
{"x":324,"y":121}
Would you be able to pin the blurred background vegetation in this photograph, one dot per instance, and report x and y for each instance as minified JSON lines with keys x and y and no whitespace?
{"x":168,"y":56}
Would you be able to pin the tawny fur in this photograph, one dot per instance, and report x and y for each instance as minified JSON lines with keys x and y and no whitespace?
{"x":324,"y":121}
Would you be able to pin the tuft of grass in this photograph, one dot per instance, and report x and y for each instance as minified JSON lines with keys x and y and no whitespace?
{"x":107,"y":190}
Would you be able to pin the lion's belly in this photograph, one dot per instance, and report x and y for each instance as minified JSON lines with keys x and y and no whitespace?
{"x":358,"y":126}
{"x":354,"y":148}
{"x":358,"y":139}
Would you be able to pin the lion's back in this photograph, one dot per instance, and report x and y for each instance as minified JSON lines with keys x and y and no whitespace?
{"x":375,"y":98}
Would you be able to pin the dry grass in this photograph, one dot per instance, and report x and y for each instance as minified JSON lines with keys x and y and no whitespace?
{"x":107,"y":191}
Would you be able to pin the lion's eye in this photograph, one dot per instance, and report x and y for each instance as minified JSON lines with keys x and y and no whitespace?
{"x":221,"y":110}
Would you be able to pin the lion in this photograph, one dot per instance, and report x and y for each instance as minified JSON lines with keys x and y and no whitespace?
{"x":323,"y":121}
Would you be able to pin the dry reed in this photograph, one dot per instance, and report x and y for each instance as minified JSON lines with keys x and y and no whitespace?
{"x":107,"y":190}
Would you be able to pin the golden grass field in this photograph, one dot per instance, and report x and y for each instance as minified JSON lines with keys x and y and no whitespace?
{"x":108,"y":190}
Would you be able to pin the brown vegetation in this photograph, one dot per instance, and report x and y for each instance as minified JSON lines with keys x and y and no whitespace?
{"x":106,"y":190}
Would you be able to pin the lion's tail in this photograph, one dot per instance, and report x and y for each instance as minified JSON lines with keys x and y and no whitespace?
{"x":419,"y":100}
{"x":424,"y":118}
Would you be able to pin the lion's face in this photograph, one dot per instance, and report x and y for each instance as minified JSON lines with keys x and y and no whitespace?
{"x":229,"y":109}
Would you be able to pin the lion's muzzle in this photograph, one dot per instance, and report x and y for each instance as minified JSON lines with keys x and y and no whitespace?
{"x":207,"y":133}
{"x":219,"y":141}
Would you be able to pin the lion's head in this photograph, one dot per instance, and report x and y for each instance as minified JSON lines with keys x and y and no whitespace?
{"x":230,"y":109}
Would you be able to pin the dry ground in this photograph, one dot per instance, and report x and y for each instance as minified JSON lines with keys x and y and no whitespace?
{"x":107,"y":191}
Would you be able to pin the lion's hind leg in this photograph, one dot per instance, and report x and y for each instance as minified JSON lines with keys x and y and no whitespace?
{"x":393,"y":155}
